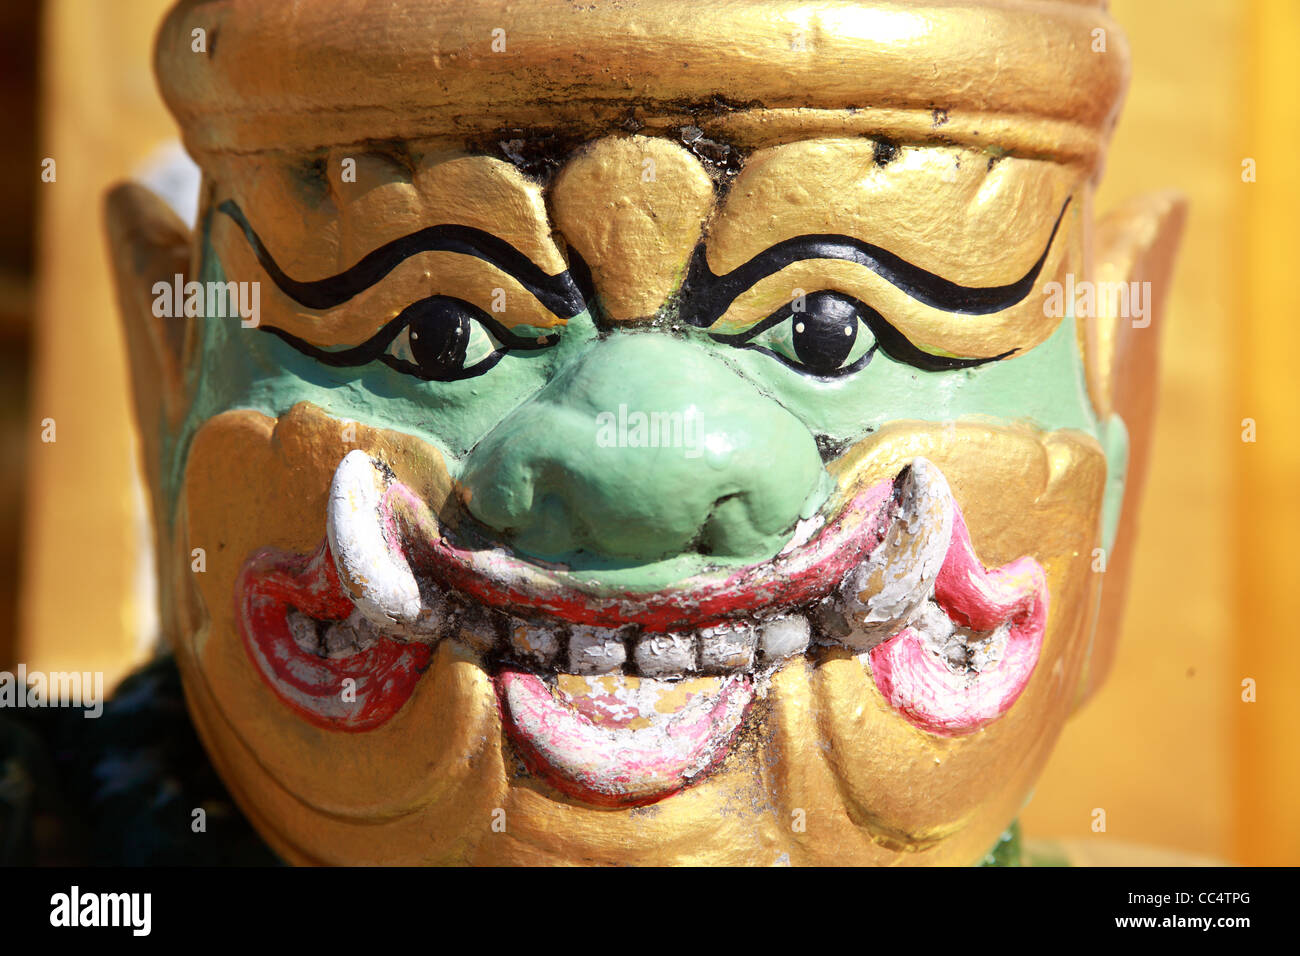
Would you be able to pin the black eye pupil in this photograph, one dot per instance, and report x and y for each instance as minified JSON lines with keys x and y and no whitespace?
{"x":439,"y":335}
{"x":824,"y":332}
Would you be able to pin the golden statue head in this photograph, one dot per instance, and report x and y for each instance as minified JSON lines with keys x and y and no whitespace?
{"x":641,"y":432}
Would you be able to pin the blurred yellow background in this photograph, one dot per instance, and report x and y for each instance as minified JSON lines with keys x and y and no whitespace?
{"x":1168,"y":749}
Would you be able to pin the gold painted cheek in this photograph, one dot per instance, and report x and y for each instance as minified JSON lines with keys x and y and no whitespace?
{"x":633,"y":208}
{"x":253,"y":482}
{"x":720,"y":821}
{"x":1022,"y":492}
{"x":447,"y":773}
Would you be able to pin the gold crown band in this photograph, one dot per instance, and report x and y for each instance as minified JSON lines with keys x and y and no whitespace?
{"x":1041,"y":78}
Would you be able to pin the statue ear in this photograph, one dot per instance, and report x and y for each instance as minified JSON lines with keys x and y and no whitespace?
{"x":1136,"y":243}
{"x":149,"y":246}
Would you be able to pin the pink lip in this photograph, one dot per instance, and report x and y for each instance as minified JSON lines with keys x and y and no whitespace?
{"x":921,"y":687}
{"x":383,"y":675}
{"x":617,"y":767}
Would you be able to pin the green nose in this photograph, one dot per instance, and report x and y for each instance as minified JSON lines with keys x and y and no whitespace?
{"x":646,"y":448}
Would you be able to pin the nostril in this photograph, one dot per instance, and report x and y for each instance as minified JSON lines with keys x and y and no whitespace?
{"x":706,"y":542}
{"x":554,"y":526}
{"x":728,"y":530}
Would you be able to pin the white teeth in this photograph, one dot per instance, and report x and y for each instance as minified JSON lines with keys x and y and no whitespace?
{"x":664,"y":655}
{"x":893,"y":586}
{"x":884,"y":591}
{"x":985,"y":650}
{"x":784,"y":637}
{"x":305,"y":630}
{"x":334,"y":639}
{"x":435,"y":618}
{"x":964,"y":650}
{"x":347,"y":637}
{"x":941,"y":635}
{"x":478,"y":627}
{"x":727,"y":647}
{"x":932,"y":621}
{"x":541,"y":645}
{"x":372,"y":569}
{"x":596,"y":650}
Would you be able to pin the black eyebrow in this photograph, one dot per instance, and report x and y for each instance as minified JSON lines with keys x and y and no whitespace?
{"x":559,"y":293}
{"x":711,"y":295}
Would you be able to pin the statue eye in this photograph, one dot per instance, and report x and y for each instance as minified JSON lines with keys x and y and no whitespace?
{"x":441,"y":339}
{"x":827,"y":337}
{"x":438,"y":339}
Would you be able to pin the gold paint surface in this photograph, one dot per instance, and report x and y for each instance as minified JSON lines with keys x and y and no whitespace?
{"x":633,"y":208}
{"x":1137,"y":244}
{"x":585,"y":66}
{"x":315,"y":223}
{"x":973,"y":217}
{"x":1267,"y":773}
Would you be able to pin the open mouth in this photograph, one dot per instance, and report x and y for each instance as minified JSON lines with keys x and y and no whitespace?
{"x":622,"y":698}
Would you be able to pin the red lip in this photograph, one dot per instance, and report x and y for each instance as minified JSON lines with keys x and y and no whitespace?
{"x":556,"y":740}
{"x":383,"y":676}
{"x":501,"y":580}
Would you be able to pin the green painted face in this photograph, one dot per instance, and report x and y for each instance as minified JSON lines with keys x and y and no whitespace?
{"x":758,"y":405}
{"x":590,"y":489}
